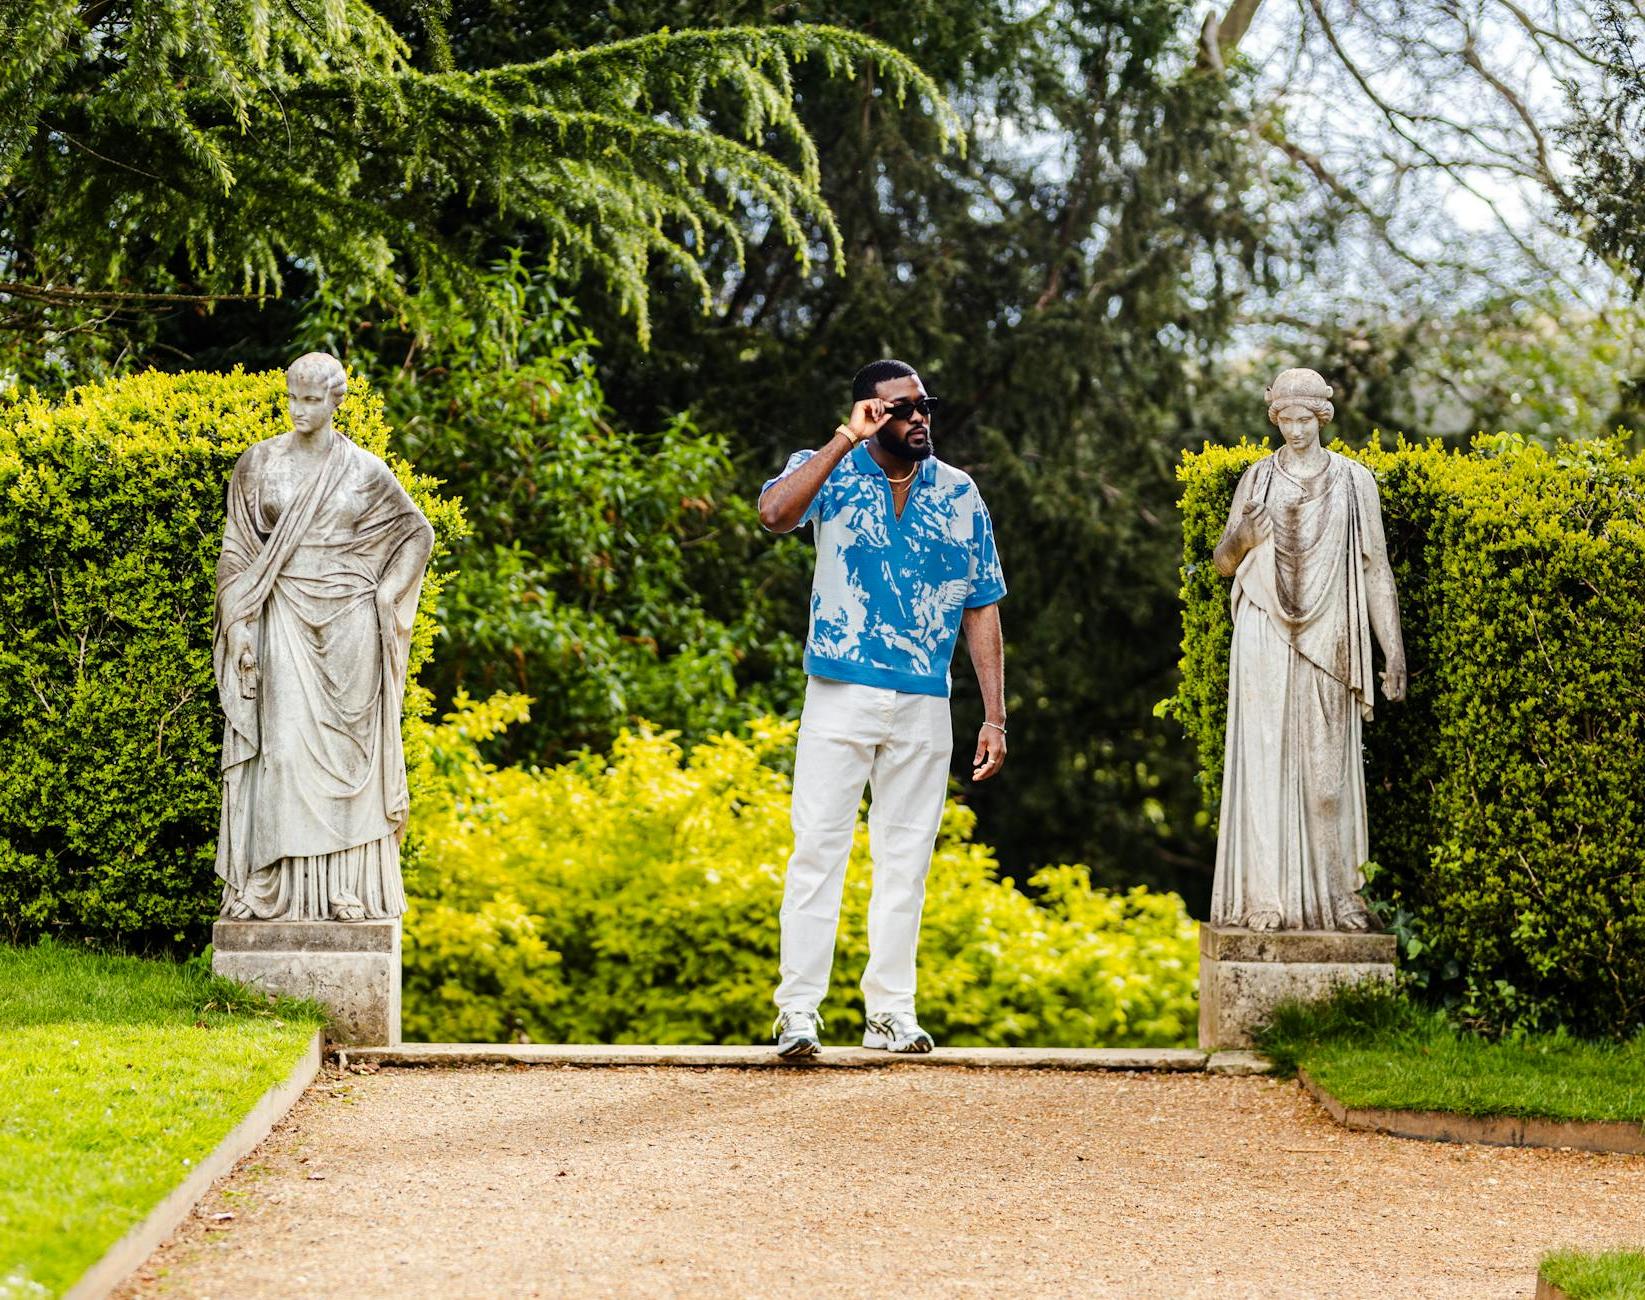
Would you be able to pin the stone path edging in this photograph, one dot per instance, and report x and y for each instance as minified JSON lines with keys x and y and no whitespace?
{"x":1546,"y":1290}
{"x":1618,"y":1136}
{"x":839,"y":1058}
{"x":129,"y":1254}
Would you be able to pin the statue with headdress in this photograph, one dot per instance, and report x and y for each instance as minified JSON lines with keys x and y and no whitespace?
{"x":317,"y":584}
{"x":1305,"y":547}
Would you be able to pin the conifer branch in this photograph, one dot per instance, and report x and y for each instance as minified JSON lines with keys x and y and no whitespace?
{"x":253,"y":138}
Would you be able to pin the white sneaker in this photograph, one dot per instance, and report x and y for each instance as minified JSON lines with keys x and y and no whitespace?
{"x":896,"y":1031}
{"x":796,"y":1034}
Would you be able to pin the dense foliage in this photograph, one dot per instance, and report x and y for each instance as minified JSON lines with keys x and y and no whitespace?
{"x":613,"y":576}
{"x":111,"y":516}
{"x":1069,"y":283}
{"x":1537,"y":364}
{"x":1507,"y":794}
{"x":231,"y":146}
{"x":634,"y":898}
{"x":1606,"y":201}
{"x":1058,"y":286}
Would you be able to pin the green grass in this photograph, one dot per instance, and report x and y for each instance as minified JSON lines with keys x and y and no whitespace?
{"x":1613,"y":1275}
{"x":116,"y":1076}
{"x":1369,"y":1047}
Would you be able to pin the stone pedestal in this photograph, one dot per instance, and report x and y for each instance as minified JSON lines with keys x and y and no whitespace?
{"x":352,"y":968}
{"x":1243,"y":974}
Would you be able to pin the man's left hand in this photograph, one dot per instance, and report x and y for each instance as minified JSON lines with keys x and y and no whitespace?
{"x":990,"y":753}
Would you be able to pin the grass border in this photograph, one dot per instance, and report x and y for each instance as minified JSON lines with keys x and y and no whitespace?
{"x":132,"y":1250}
{"x":1619,"y":1137}
{"x":1573,"y":1274}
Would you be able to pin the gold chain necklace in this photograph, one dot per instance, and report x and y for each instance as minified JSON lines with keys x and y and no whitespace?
{"x":898,"y":482}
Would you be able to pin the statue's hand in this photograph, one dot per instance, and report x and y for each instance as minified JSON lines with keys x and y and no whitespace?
{"x":243,"y":653}
{"x":1255,"y":525}
{"x":1393,"y":678}
{"x":388,"y":609}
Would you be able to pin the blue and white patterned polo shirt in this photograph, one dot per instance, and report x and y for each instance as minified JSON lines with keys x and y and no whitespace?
{"x":889,"y":593}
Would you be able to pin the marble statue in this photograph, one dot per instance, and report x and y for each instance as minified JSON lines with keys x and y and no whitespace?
{"x":322,"y":561}
{"x":1304,"y":545}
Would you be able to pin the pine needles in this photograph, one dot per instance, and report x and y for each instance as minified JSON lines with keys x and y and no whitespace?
{"x":236,"y":146}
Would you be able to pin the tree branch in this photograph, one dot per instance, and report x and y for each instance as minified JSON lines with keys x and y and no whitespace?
{"x":1235,"y":23}
{"x":1314,"y":164}
{"x":53,"y":296}
{"x":1539,"y":33}
{"x":1470,"y":56}
{"x":1220,"y":38}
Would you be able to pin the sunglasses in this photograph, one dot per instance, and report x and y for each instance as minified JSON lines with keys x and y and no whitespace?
{"x":926,"y":406}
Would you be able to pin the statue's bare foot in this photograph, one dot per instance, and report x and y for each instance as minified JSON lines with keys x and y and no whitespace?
{"x":238,"y":910}
{"x":1262,"y":921}
{"x":1356,"y":919}
{"x":346,"y":907}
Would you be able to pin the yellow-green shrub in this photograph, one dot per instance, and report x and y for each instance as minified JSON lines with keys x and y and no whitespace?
{"x":1507,"y":794}
{"x":634,"y":898}
{"x":111,"y":514}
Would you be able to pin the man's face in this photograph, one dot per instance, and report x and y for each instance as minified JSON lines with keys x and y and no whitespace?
{"x":908,"y":439}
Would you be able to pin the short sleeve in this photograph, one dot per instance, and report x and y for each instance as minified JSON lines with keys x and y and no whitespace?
{"x":987,"y":578}
{"x":794,"y":462}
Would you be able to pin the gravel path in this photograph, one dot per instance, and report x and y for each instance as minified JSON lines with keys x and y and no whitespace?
{"x":725,"y":1183}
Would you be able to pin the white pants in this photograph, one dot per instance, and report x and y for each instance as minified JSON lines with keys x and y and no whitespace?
{"x":898,"y":744}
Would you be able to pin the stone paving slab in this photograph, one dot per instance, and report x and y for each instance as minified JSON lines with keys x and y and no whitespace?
{"x":1238,"y":1063}
{"x":1166,"y":1059}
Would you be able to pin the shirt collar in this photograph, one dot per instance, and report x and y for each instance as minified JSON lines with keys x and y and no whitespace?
{"x":862,"y":462}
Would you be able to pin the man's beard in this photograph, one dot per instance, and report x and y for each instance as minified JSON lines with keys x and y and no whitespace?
{"x":899,"y":447}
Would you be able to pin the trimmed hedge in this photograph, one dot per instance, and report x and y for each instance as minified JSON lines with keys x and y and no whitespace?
{"x":634,"y":897}
{"x":1507,"y":794}
{"x":111,"y":513}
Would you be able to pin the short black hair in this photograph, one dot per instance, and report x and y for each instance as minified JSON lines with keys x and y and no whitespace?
{"x":870,"y":377}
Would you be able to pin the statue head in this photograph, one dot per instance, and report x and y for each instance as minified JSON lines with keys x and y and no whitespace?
{"x":1299,"y":403}
{"x":315,"y":387}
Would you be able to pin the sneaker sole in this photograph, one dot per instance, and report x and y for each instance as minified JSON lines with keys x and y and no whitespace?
{"x":910,"y":1047}
{"x":799,"y":1051}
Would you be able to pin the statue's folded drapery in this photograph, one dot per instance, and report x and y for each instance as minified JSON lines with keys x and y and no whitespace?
{"x":1293,"y":833}
{"x":314,"y":781}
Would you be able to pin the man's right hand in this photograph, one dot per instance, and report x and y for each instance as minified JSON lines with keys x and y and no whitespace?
{"x":784,"y":503}
{"x":867,"y":417}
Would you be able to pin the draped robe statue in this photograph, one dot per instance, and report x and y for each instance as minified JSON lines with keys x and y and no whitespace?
{"x":317,"y":585}
{"x":1305,"y":547}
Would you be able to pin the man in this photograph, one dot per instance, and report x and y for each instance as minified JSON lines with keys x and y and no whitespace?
{"x":905,"y":559}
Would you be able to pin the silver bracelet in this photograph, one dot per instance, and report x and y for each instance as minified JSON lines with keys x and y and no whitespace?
{"x":997,"y":726}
